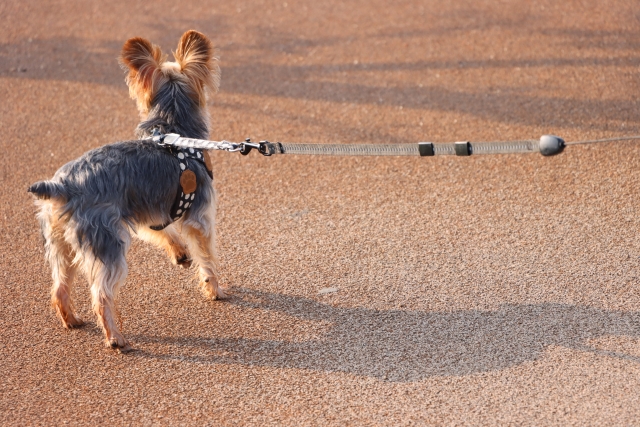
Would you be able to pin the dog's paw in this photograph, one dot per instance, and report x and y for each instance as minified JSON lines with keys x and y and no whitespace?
{"x":222,"y":293}
{"x":126,"y":349}
{"x":75,"y":323}
{"x":183,"y":261}
{"x":71,"y":321}
{"x":213,"y":290}
{"x":119,"y":344}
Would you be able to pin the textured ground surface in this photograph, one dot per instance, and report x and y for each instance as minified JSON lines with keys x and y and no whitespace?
{"x":496,"y":290}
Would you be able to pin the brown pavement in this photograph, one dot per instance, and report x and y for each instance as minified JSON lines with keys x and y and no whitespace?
{"x":489,"y":290}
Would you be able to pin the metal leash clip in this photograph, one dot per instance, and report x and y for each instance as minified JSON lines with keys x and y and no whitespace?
{"x":247,"y":145}
{"x":265,"y":148}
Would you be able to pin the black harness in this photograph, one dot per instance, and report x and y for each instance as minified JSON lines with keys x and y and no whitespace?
{"x":188,"y":180}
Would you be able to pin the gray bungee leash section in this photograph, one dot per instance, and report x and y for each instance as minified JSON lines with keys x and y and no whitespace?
{"x":547,"y":145}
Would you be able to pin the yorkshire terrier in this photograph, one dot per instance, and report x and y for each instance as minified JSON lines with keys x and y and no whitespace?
{"x":162,"y":194}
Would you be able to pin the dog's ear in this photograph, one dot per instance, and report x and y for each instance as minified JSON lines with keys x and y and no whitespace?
{"x":142,"y":60}
{"x":198,"y":63}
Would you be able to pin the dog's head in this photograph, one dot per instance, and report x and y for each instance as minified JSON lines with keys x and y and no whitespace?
{"x":153,"y":80}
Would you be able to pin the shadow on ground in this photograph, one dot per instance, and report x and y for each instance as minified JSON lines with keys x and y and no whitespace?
{"x":405,"y":346}
{"x":74,"y":59}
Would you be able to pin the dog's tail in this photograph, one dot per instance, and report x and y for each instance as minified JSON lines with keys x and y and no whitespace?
{"x":47,"y":190}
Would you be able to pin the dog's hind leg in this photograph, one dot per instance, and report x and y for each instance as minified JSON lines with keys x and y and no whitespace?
{"x":107,"y":280}
{"x":104,"y":262}
{"x":60,"y":256}
{"x":169,"y":240}
{"x":63,"y":276}
{"x":201,"y":238}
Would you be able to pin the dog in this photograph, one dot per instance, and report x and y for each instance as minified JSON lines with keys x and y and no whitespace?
{"x":164,"y":195}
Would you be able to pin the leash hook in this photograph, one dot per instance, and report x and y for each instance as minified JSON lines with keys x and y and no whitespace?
{"x":265,"y":148}
{"x":247,"y":145}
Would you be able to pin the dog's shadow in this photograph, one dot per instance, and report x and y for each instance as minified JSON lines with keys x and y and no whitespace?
{"x":405,"y":346}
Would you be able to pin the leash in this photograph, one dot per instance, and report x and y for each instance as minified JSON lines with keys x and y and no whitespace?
{"x":547,"y":145}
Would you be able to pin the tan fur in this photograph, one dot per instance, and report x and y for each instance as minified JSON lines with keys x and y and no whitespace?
{"x":143,"y":60}
{"x":196,"y":65}
{"x":60,"y":256}
{"x":169,"y":240}
{"x":195,"y":55}
{"x":201,"y":239}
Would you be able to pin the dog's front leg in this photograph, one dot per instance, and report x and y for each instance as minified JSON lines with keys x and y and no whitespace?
{"x":169,"y":240}
{"x":202,"y":244}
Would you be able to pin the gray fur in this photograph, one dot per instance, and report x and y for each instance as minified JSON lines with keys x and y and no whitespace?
{"x":46,"y":190}
{"x":172,"y":112}
{"x":131,"y":182}
{"x":92,"y":205}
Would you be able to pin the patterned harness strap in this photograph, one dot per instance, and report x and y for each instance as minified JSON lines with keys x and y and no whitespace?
{"x":188,"y":181}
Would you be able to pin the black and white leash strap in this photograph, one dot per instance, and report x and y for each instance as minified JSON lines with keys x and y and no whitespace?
{"x":547,"y":145}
